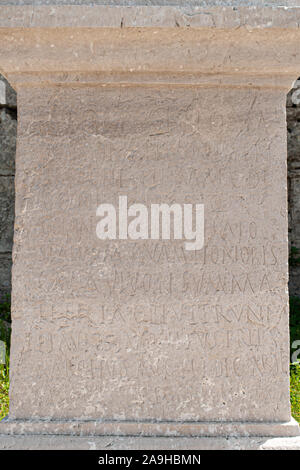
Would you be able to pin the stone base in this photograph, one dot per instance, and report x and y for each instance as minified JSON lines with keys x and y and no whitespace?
{"x":110,"y":435}
{"x":143,"y":429}
{"x":107,"y":443}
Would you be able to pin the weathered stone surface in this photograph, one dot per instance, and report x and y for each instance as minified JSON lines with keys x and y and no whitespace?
{"x":6,"y":214}
{"x":145,"y":443}
{"x":210,"y":14}
{"x":2,"y":93}
{"x":142,"y":337}
{"x":8,"y":95}
{"x":102,"y":427}
{"x":5,"y":273}
{"x":184,"y":3}
{"x":188,"y":318}
{"x":8,"y":135}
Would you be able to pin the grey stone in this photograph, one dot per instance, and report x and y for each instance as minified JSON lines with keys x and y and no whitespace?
{"x":11,"y":95}
{"x":145,"y":443}
{"x":2,"y":93}
{"x":8,"y":96}
{"x":185,"y":3}
{"x":113,"y":337}
{"x":8,"y":131}
{"x":294,"y":281}
{"x":7,"y":199}
{"x":8,"y":134}
{"x":215,"y":14}
{"x":5,"y":273}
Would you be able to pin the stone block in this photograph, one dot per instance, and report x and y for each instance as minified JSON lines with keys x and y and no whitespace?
{"x":5,"y":273}
{"x":8,"y":135}
{"x":7,"y":203}
{"x":137,"y":336}
{"x":8,"y":96}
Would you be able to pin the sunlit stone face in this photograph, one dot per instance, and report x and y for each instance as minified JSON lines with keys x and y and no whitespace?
{"x":144,"y":329}
{"x":137,"y":335}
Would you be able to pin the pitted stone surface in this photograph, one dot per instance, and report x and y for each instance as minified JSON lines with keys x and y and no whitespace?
{"x":185,"y":3}
{"x":143,"y":337}
{"x":8,"y":135}
{"x":5,"y":273}
{"x":211,"y":14}
{"x":144,"y":330}
{"x":6,"y":214}
{"x":143,"y":443}
{"x":10,"y":97}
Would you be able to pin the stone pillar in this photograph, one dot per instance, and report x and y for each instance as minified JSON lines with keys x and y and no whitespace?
{"x":162,"y":105}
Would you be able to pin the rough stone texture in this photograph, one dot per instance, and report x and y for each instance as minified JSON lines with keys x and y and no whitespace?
{"x":145,"y":443}
{"x":7,"y":214}
{"x":5,"y":272}
{"x":143,"y":337}
{"x":7,"y":158}
{"x":214,"y":318}
{"x":184,"y":3}
{"x":212,"y":14}
{"x":8,"y":132}
{"x":10,"y":95}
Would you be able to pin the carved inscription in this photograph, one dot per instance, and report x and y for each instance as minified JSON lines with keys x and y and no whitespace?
{"x":124,"y":329}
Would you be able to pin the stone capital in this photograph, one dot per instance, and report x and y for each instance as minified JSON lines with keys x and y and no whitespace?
{"x":218,"y":46}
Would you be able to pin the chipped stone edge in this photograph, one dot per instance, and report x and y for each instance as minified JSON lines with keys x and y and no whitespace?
{"x":90,"y":427}
{"x":51,"y":442}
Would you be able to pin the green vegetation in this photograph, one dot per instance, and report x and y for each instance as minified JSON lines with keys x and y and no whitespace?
{"x":294,"y":336}
{"x":4,"y":368}
{"x":295,"y":390}
{"x":294,"y":260}
{"x":294,"y":321}
{"x":4,"y":389}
